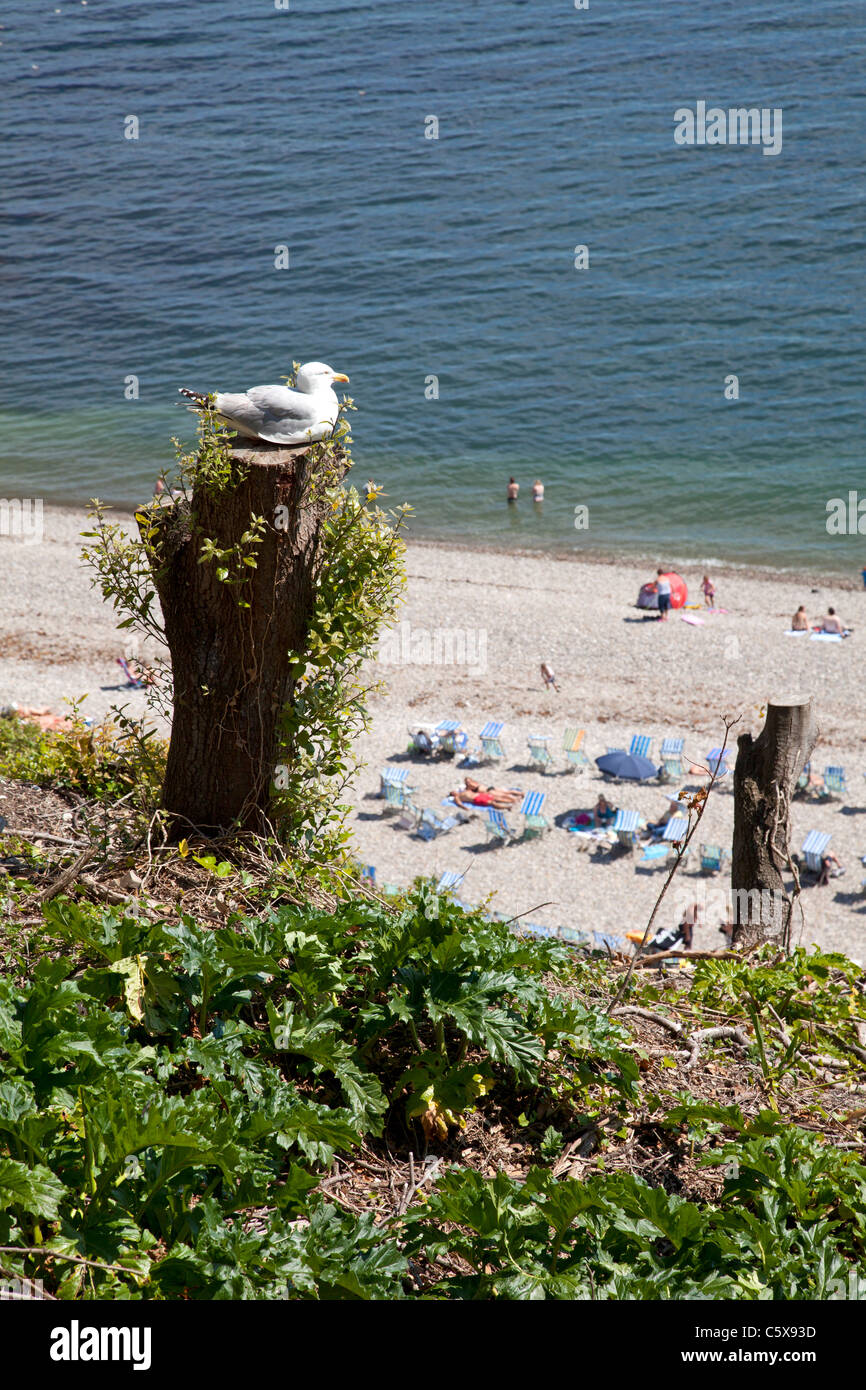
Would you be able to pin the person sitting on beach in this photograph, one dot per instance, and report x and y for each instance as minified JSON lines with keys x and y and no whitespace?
{"x":708,"y":590}
{"x":800,"y":620}
{"x":538,"y":491}
{"x":830,"y":868}
{"x":603,"y":813}
{"x":513,"y":490}
{"x":473,"y":794}
{"x":832,"y":622}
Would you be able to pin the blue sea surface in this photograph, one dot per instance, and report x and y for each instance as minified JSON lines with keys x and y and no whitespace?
{"x":452,"y":258}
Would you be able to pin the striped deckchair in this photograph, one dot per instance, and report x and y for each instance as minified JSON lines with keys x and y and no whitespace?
{"x":575,"y":758}
{"x":497,"y":827}
{"x":492,"y":749}
{"x":717,"y":761}
{"x":392,"y":774}
{"x":813,"y":849}
{"x":450,"y":736}
{"x":430,"y":825}
{"x":640,"y":746}
{"x":676,"y":829}
{"x":712,"y":859}
{"x":672,"y":759}
{"x":625,"y":826}
{"x":835,"y":787}
{"x":539,"y":751}
{"x":450,"y":879}
{"x":398,"y":796}
{"x":534,"y":823}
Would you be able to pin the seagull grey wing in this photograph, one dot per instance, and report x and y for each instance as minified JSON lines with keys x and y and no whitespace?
{"x":289,"y":417}
{"x":238,"y":411}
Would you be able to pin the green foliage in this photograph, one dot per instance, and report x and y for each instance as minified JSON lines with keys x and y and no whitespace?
{"x":359,"y":585}
{"x":104,"y":763}
{"x":161,"y":1082}
{"x":788,"y":1226}
{"x":792,"y":1002}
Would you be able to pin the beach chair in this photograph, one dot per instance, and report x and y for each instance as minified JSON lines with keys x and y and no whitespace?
{"x":717,"y":761}
{"x":492,"y":749}
{"x":398,"y":797}
{"x":423,"y":740}
{"x":813,"y":848}
{"x":450,"y":880}
{"x":539,"y":751}
{"x":573,"y":936}
{"x":534,"y":823}
{"x":673,"y":835}
{"x":835,"y":787}
{"x":133,"y":681}
{"x":608,"y":749}
{"x":625,"y":826}
{"x":575,"y":758}
{"x":391,"y":774}
{"x":671,"y":752}
{"x":497,"y":827}
{"x":712,"y":859}
{"x":640,"y":746}
{"x":429,"y":825}
{"x":450,"y":736}
{"x":604,"y":941}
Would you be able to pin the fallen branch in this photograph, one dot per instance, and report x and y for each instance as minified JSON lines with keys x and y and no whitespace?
{"x":43,"y":835}
{"x":694,"y":1042}
{"x":67,"y":878}
{"x":688,"y":955}
{"x":663,"y":1022}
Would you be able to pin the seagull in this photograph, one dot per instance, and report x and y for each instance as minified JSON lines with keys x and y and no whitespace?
{"x":279,"y":414}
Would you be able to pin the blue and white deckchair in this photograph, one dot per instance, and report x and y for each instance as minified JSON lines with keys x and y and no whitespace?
{"x":614,"y":750}
{"x":676,"y":829}
{"x":712,"y":859}
{"x":640,"y":746}
{"x":398,"y":797}
{"x":391,"y":774}
{"x":571,"y":747}
{"x":497,"y":827}
{"x":605,"y":942}
{"x":451,"y":878}
{"x":539,"y":751}
{"x":672,"y":759}
{"x":491,"y":750}
{"x":813,"y":849}
{"x":450,"y":735}
{"x":534,"y":823}
{"x":654,"y":852}
{"x":430,"y":825}
{"x":625,"y":825}
{"x":834,"y":783}
{"x":717,"y":761}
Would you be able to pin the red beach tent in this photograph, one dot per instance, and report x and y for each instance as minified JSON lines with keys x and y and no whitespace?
{"x":648,"y":597}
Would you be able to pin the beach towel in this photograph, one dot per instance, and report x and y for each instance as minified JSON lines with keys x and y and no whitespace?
{"x":828,"y":636}
{"x":696,"y":622}
{"x":796,"y":632}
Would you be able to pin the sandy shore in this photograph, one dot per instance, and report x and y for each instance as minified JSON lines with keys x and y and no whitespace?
{"x":500,"y":615}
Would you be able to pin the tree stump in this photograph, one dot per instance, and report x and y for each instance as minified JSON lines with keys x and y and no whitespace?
{"x":230,"y":661}
{"x":765,"y":775}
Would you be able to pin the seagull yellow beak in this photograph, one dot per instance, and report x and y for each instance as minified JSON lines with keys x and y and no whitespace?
{"x":340,"y":376}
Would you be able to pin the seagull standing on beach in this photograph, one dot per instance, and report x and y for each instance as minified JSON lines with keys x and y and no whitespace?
{"x":280,"y":414}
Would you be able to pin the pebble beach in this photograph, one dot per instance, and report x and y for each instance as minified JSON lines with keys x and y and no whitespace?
{"x":471,"y":634}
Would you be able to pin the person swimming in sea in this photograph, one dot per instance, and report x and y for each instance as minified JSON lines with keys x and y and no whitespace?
{"x":538,"y":491}
{"x":513,"y":490}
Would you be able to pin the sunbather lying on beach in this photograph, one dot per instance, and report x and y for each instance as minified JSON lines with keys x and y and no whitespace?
{"x":473,"y":794}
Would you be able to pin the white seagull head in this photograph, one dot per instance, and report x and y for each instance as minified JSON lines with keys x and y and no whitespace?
{"x":314,"y":377}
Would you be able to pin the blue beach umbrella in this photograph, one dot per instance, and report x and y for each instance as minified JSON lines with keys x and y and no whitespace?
{"x":627,"y":767}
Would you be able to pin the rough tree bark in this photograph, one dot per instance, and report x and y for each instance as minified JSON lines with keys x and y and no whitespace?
{"x":765,"y":775}
{"x":230,"y":663}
